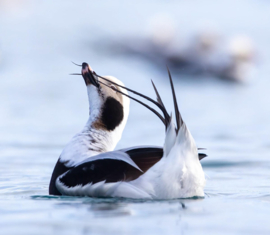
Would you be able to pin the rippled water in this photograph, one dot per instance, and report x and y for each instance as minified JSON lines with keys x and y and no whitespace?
{"x":42,"y":107}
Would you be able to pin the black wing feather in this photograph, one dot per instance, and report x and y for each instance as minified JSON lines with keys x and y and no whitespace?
{"x":148,"y":156}
{"x":59,"y":169}
{"x":145,"y":157}
{"x":112,"y":170}
{"x":108,"y":170}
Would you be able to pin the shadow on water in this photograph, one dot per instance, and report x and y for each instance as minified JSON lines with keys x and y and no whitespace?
{"x":115,"y":207}
{"x":93,"y":200}
{"x":223,"y":164}
{"x":111,"y":203}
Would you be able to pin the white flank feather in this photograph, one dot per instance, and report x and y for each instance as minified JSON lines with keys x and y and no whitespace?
{"x":169,"y":138}
{"x":103,"y":189}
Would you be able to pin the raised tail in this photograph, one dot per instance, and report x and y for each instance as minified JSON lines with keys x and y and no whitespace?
{"x":180,"y":132}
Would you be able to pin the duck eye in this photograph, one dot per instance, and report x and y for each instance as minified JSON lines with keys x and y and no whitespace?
{"x":113,"y":87}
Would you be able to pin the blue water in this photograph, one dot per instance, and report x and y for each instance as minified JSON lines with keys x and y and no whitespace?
{"x":42,"y":107}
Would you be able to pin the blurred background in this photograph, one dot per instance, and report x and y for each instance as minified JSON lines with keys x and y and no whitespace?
{"x":219,"y":56}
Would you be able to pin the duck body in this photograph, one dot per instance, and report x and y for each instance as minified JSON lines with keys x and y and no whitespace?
{"x":88,"y":166}
{"x":146,"y":172}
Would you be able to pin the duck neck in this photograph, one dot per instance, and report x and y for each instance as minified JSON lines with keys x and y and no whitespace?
{"x":99,"y":140}
{"x":97,"y":137}
{"x":89,"y":142}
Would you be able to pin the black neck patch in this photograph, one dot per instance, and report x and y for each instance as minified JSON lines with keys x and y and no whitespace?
{"x":112,"y":113}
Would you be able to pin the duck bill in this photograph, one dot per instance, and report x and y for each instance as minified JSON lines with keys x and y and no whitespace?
{"x":88,"y":75}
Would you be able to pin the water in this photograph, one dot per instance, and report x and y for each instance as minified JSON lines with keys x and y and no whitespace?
{"x":42,"y":107}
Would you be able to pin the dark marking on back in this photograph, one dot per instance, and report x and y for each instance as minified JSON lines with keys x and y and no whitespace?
{"x":96,"y":149}
{"x":145,"y":157}
{"x":112,"y":114}
{"x":93,"y":141}
{"x":202,"y":155}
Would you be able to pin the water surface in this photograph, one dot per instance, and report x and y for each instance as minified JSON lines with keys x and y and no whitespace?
{"x":42,"y":107}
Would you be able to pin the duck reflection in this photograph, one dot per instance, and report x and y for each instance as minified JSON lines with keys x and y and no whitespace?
{"x":110,"y":209}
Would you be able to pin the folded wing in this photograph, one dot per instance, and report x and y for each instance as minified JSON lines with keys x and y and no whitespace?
{"x":111,"y":167}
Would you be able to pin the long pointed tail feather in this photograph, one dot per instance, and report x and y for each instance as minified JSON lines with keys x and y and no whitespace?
{"x":179,"y":120}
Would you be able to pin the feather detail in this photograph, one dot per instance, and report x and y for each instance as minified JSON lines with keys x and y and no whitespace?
{"x":169,"y":139}
{"x":115,"y":155}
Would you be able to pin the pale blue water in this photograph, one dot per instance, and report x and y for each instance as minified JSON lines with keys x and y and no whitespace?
{"x":42,"y":107}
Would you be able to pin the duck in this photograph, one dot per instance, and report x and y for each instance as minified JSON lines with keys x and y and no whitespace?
{"x":89,"y":165}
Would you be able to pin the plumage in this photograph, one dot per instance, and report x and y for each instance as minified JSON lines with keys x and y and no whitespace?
{"x":87,"y":168}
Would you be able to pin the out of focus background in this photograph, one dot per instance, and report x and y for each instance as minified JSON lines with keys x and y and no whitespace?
{"x":219,"y":56}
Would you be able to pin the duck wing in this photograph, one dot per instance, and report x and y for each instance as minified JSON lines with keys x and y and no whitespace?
{"x":115,"y":166}
{"x":110,"y":167}
{"x":148,"y":152}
